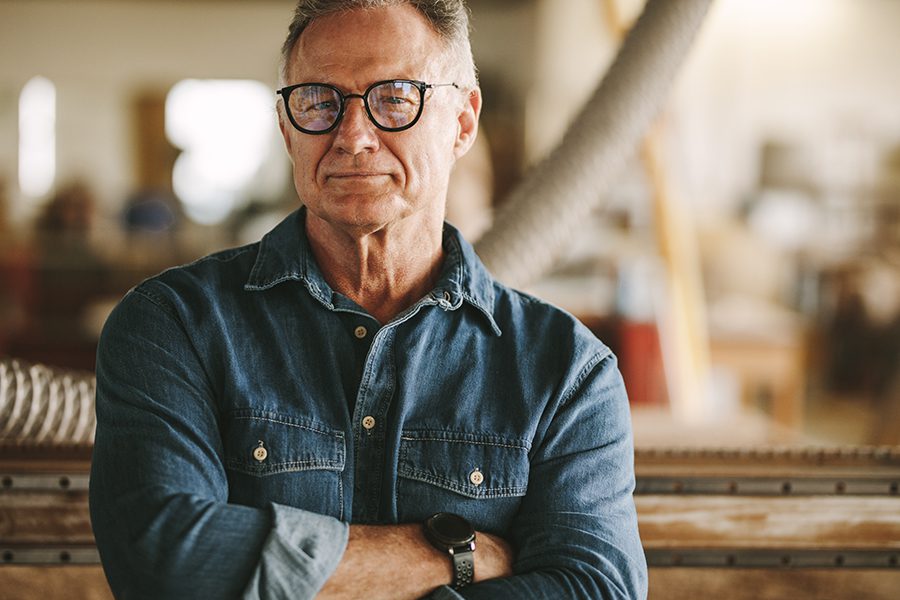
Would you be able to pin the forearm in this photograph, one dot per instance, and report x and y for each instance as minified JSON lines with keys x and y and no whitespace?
{"x":160,"y":508}
{"x":192,"y":547}
{"x":396,"y":561}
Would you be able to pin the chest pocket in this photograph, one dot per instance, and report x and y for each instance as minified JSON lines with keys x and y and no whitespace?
{"x":480,"y":477}
{"x":272,"y":457}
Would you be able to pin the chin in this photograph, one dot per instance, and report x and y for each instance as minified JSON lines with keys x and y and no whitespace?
{"x":361,"y":220}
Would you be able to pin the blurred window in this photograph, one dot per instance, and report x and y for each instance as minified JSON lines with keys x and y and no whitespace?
{"x":225,"y":130}
{"x":37,"y":137}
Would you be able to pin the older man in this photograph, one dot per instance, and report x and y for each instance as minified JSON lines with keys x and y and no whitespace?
{"x":352,"y":407}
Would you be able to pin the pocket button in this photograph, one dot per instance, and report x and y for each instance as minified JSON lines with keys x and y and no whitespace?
{"x":260,"y":453}
{"x":476,"y":477}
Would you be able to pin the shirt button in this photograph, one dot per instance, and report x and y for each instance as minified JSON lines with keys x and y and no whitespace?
{"x":360,"y":332}
{"x":260,"y":453}
{"x":368,"y":422}
{"x":476,"y":477}
{"x":447,"y":296}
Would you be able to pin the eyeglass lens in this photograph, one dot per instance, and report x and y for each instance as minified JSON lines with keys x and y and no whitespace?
{"x":392,"y":105}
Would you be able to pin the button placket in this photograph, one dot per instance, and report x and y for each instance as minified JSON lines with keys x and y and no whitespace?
{"x":378,"y":381}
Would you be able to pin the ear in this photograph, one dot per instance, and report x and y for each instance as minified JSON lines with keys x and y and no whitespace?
{"x":468,"y":123}
{"x":285,"y":131}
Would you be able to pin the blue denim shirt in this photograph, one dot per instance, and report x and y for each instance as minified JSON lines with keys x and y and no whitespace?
{"x":247,"y":412}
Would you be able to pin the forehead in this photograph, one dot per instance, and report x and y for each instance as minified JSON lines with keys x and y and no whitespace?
{"x":367,"y":45}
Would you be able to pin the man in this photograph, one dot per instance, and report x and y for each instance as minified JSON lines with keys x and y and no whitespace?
{"x":280,"y":420}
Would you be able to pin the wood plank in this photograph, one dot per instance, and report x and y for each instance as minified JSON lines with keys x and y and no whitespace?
{"x":65,"y":581}
{"x":850,"y":457}
{"x":770,"y":584}
{"x":45,"y":518}
{"x":17,"y":455}
{"x":88,"y":583}
{"x":770,"y":522}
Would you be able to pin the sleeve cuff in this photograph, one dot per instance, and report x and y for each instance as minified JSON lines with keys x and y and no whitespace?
{"x":301,"y":552}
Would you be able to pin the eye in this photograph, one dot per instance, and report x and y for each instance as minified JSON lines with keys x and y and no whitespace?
{"x":325,"y":105}
{"x":312,"y":99}
{"x":396,"y":100}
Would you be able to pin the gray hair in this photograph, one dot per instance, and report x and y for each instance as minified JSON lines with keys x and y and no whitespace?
{"x":449,"y":18}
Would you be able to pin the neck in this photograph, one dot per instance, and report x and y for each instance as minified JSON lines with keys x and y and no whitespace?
{"x":385,"y":271}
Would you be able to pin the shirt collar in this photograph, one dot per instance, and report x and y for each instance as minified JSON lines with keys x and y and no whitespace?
{"x":285,"y":255}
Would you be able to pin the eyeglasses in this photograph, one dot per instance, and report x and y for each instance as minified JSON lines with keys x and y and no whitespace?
{"x":393,"y":105}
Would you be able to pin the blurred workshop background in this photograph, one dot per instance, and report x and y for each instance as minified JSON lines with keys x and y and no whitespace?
{"x":140,"y":134}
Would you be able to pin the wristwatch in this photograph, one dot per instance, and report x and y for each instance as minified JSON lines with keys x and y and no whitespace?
{"x":456,"y":536}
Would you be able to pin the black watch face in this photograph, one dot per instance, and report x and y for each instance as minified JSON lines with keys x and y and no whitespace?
{"x":453,"y":529}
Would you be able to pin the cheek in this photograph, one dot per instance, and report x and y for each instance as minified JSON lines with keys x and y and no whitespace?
{"x":430,"y":163}
{"x":306,"y":158}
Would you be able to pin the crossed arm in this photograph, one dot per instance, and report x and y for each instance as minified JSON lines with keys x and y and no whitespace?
{"x":164,"y":527}
{"x":396,"y":561}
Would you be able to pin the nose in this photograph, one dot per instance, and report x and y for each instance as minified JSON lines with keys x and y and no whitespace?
{"x":356,"y":133}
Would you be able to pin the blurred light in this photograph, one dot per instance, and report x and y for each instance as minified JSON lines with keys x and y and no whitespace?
{"x":37,"y":137}
{"x":789,"y":219}
{"x":224,"y":129}
{"x":799,"y":15}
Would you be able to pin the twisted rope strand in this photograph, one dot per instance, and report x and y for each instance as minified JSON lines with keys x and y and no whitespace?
{"x":44,"y":405}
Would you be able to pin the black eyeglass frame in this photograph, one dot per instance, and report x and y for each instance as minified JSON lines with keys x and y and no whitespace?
{"x":286,"y":91}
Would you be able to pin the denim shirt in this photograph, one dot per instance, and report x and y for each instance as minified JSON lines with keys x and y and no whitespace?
{"x":247,"y":413}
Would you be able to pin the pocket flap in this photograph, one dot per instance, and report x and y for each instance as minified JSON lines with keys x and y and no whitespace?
{"x":264,"y":443}
{"x":473,"y":465}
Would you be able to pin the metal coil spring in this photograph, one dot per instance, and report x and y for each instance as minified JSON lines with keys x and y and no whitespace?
{"x":44,"y":405}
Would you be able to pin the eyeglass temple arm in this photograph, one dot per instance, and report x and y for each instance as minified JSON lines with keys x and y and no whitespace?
{"x":428,"y":86}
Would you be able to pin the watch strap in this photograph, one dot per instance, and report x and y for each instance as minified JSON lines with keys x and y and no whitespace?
{"x":463,"y":566}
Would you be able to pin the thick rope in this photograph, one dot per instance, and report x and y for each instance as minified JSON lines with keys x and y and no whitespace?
{"x":42,"y":405}
{"x":537,"y":221}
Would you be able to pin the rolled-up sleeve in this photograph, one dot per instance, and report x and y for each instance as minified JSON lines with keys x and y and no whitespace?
{"x":159,"y":492}
{"x":576,"y":534}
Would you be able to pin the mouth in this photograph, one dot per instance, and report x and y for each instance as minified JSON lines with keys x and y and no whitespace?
{"x":355,"y":175}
